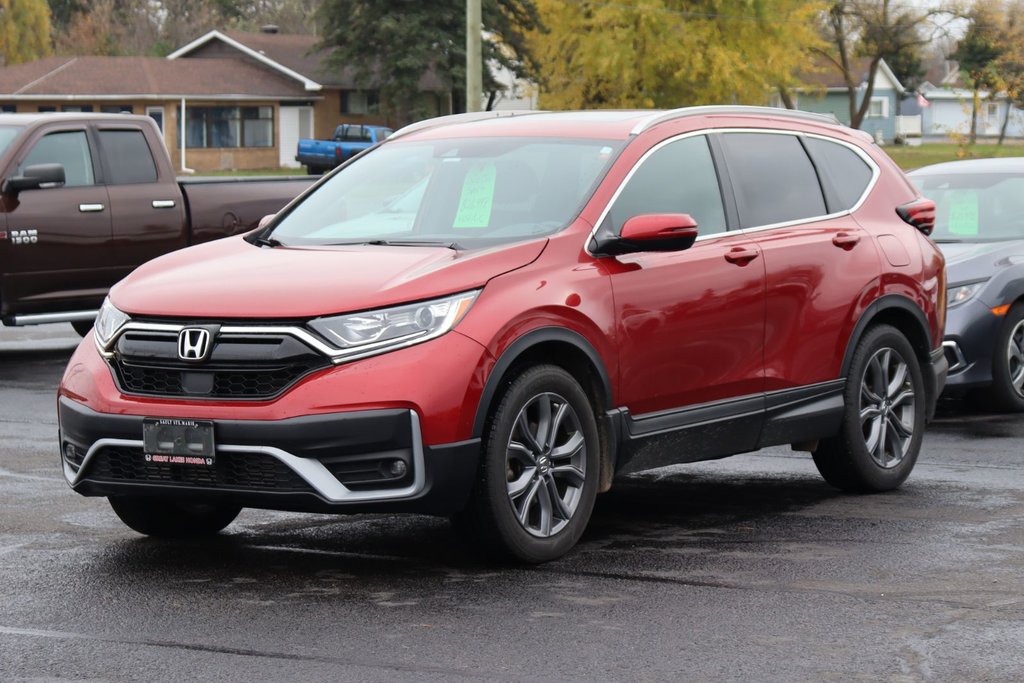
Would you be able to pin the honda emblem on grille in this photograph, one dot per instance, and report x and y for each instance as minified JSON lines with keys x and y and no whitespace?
{"x":194,"y":344}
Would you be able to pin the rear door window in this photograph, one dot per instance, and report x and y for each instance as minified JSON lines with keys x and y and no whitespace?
{"x":128,"y":156}
{"x":679,"y":177}
{"x":70,"y":149}
{"x":773,"y":179}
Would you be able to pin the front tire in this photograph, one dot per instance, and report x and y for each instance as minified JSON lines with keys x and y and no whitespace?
{"x":539,"y":472}
{"x":883,"y":423}
{"x":169,"y":518}
{"x":1007,"y":393}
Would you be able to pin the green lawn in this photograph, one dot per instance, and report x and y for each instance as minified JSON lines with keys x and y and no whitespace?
{"x":910,"y":158}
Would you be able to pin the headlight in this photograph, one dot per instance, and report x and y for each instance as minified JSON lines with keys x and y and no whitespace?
{"x":108,"y":322}
{"x":364,"y":334}
{"x":958,"y":294}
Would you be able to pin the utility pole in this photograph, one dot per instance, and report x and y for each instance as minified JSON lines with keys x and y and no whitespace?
{"x":474,"y":56}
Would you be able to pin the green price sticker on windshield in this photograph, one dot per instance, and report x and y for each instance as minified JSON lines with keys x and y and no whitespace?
{"x":477,"y":197}
{"x":963,"y":212}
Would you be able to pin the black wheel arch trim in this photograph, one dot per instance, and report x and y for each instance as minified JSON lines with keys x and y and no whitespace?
{"x":887,"y":302}
{"x":521,"y":346}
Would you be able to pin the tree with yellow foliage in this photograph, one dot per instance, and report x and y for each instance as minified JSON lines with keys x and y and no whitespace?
{"x":669,"y":53}
{"x":24,"y":30}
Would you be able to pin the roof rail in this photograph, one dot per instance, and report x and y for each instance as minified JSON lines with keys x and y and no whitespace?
{"x":661,"y":117}
{"x":468,"y":117}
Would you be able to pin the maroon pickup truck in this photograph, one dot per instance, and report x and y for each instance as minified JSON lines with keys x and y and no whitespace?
{"x":88,"y":197}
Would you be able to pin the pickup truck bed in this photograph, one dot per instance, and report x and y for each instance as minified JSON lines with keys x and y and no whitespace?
{"x":319,"y":156}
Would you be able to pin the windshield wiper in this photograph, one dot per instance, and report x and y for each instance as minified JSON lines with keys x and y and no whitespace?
{"x":414,"y":243}
{"x":267,"y":242}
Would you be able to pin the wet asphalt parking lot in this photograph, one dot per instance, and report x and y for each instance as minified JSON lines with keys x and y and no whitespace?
{"x":749,"y":568}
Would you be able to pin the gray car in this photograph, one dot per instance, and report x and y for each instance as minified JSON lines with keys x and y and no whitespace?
{"x":979,"y":225}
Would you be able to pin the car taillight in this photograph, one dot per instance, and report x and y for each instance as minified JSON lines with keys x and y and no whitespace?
{"x":337,"y":152}
{"x":920,"y":213}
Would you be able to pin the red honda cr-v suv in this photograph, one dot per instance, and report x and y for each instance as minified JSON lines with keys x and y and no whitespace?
{"x":490,"y":317}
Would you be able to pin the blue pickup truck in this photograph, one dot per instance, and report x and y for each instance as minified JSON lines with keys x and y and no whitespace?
{"x":319,"y":156}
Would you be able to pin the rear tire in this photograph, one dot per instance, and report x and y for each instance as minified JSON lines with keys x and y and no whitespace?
{"x":883,"y":423}
{"x":538,"y":476}
{"x":1007,"y":394}
{"x":169,"y":518}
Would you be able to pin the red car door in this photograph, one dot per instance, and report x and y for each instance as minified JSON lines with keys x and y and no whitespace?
{"x":690,"y":323}
{"x":820,"y":265}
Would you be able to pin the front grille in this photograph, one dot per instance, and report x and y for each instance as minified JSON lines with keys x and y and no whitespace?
{"x":239,"y":366}
{"x":250,"y":471}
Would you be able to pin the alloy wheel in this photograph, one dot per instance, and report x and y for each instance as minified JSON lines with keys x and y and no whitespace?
{"x":1015,"y":358}
{"x":546,"y":464}
{"x":887,"y":404}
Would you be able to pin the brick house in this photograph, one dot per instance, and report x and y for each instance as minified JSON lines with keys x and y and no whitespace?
{"x":247,"y":98}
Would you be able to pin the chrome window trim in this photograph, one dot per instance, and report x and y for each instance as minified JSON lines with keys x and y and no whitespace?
{"x":875,"y":174}
{"x":312,"y":471}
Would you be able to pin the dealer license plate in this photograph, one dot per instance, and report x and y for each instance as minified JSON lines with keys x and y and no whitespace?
{"x":172,"y":441}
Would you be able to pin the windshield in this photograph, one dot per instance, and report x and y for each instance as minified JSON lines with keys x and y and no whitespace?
{"x":7,"y":135}
{"x":975,"y":207}
{"x":464,"y":193}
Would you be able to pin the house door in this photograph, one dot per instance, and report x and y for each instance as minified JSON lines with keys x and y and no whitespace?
{"x":296,"y":123}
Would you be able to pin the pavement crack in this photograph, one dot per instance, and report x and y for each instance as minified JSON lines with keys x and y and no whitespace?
{"x":247,"y":652}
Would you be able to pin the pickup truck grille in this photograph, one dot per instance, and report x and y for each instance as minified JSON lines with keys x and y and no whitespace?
{"x":239,"y":367}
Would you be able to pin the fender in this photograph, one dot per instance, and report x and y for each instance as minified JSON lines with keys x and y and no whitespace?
{"x":525,"y":343}
{"x":887,"y":302}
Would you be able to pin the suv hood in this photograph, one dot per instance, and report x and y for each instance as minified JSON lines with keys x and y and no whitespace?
{"x":231,"y":278}
{"x":975,"y":260}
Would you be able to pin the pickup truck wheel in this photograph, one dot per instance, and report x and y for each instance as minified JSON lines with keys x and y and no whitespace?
{"x":168,"y":518}
{"x":883,"y":423}
{"x":539,"y":472}
{"x":82,"y":327}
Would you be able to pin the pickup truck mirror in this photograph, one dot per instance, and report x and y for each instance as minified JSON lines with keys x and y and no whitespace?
{"x":34,"y":177}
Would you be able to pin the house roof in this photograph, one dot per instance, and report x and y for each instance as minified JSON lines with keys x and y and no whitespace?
{"x":825,"y":74}
{"x":118,"y":77}
{"x":294,"y":56}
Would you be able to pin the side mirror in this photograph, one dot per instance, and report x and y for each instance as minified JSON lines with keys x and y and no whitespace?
{"x":266,"y":219}
{"x":653,"y":232}
{"x":34,"y":177}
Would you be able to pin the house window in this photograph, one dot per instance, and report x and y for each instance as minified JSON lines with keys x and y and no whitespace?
{"x":879,"y":108}
{"x":77,"y":108}
{"x":117,"y":109}
{"x":229,"y":126}
{"x":157,"y":114}
{"x":8,"y":108}
{"x":992,"y":112}
{"x":46,"y":109}
{"x":360,"y":102}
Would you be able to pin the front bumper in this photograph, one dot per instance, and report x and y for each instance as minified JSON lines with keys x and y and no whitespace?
{"x":335,"y":462}
{"x":969,"y":342}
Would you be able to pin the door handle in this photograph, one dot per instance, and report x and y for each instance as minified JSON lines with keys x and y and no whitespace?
{"x":90,"y":208}
{"x":846,"y":240}
{"x":741,"y":256}
{"x":163,"y":203}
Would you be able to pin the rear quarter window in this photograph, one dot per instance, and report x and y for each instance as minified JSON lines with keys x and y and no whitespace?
{"x":845,"y":174}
